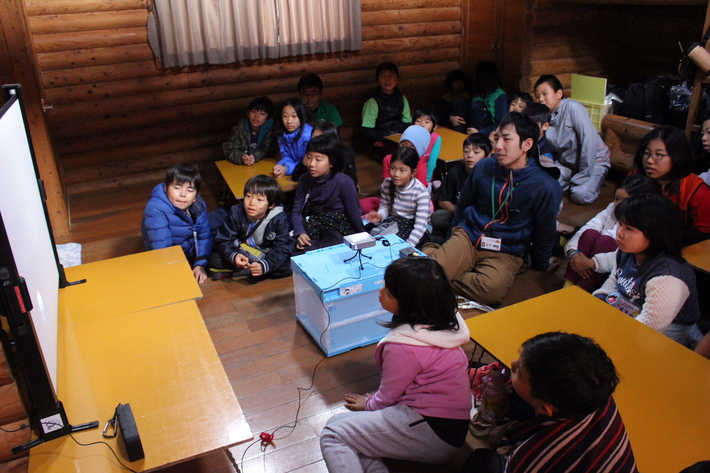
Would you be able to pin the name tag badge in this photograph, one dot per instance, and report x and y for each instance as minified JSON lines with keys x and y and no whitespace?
{"x":628,"y":307}
{"x":492,"y":244}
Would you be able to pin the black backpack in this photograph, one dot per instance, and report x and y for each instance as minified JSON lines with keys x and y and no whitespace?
{"x":647,"y":101}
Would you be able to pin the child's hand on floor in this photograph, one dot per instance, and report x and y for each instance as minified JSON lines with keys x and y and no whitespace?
{"x":303,"y":241}
{"x":200,"y":274}
{"x":373,"y":216}
{"x":241,"y":261}
{"x":356,"y":402}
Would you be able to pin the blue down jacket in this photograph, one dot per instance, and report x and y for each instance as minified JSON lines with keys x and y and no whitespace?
{"x":165,"y":225}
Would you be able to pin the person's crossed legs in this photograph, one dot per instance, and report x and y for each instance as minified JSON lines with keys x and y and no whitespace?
{"x":480,"y":275}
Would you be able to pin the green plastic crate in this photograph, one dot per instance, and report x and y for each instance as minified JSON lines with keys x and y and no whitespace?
{"x":596,"y":113}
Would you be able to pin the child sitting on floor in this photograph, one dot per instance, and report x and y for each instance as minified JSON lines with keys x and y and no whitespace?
{"x":414,"y":137}
{"x":540,"y":113}
{"x":253,"y":139}
{"x":519,"y":101}
{"x":426,"y":117}
{"x":489,"y":102}
{"x":581,"y":155}
{"x":325,"y":207}
{"x":405,"y":200}
{"x":294,"y":132}
{"x":310,"y":88}
{"x":421,"y":410}
{"x":569,"y":381}
{"x":457,"y":91}
{"x":592,"y":250}
{"x":475,"y":148}
{"x":650,"y":279}
{"x":702,"y":157}
{"x":387,"y":110}
{"x":177,"y":215}
{"x":329,"y":129}
{"x":256,"y":239}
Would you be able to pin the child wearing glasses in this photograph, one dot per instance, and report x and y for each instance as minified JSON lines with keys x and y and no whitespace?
{"x":582,"y":156}
{"x":310,"y":88}
{"x":666,"y":157}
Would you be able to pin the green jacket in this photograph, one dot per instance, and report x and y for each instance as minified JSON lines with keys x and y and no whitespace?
{"x":240,"y":142}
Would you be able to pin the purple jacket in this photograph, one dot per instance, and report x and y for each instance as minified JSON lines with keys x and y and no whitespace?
{"x":334,"y":193}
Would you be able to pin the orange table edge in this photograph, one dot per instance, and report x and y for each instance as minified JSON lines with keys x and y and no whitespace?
{"x":698,"y":255}
{"x":151,"y":350}
{"x":236,"y":175}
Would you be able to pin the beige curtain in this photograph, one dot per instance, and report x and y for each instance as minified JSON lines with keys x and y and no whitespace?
{"x":193,"y":32}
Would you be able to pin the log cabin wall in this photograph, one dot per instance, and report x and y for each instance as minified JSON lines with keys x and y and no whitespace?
{"x":493,"y":31}
{"x":624,"y":41}
{"x":117,"y":119}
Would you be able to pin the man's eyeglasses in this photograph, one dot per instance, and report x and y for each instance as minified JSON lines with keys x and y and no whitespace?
{"x":656,"y":157}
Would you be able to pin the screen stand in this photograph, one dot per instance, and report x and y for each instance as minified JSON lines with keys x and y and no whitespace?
{"x":53,"y":424}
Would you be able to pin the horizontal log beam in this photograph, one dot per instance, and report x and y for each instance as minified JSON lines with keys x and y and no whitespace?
{"x":92,"y":74}
{"x":115,"y":89}
{"x":379,"y":5}
{"x":160,"y":161}
{"x":95,"y":57}
{"x":147,"y":163}
{"x":135,"y":152}
{"x":59,"y":7}
{"x":411,"y":44}
{"x":50,"y":24}
{"x":628,"y":129}
{"x":48,"y":43}
{"x":560,"y":66}
{"x":375,"y":32}
{"x":159,"y":132}
{"x":111,"y":183}
{"x":560,"y":50}
{"x":398,"y":17}
{"x":83,"y":124}
{"x":149,"y":85}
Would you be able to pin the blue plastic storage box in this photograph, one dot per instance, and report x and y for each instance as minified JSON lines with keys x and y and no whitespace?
{"x":337,"y":302}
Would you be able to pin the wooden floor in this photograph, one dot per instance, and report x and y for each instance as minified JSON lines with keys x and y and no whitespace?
{"x":266,"y":354}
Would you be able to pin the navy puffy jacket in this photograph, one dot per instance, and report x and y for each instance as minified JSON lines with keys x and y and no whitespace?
{"x":165,"y":225}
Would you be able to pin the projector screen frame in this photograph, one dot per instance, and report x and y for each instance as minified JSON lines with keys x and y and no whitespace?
{"x":10,"y":92}
{"x":48,"y":418}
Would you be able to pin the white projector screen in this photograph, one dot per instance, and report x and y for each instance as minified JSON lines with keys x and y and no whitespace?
{"x":28,"y":231}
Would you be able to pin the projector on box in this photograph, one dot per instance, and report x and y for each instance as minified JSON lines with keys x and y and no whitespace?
{"x":360,"y":241}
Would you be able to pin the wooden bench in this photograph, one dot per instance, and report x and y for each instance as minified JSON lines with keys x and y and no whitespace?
{"x":622,"y":135}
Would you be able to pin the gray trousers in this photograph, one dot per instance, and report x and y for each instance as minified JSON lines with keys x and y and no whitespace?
{"x":355,"y":442}
{"x":588,"y":191}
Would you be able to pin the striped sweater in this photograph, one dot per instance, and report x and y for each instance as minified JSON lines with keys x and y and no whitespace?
{"x":411,"y":201}
{"x":595,"y":443}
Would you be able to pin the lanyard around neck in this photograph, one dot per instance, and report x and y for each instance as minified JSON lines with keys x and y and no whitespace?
{"x":502,"y":202}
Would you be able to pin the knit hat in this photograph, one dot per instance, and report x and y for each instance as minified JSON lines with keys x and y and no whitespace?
{"x":419,"y":137}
